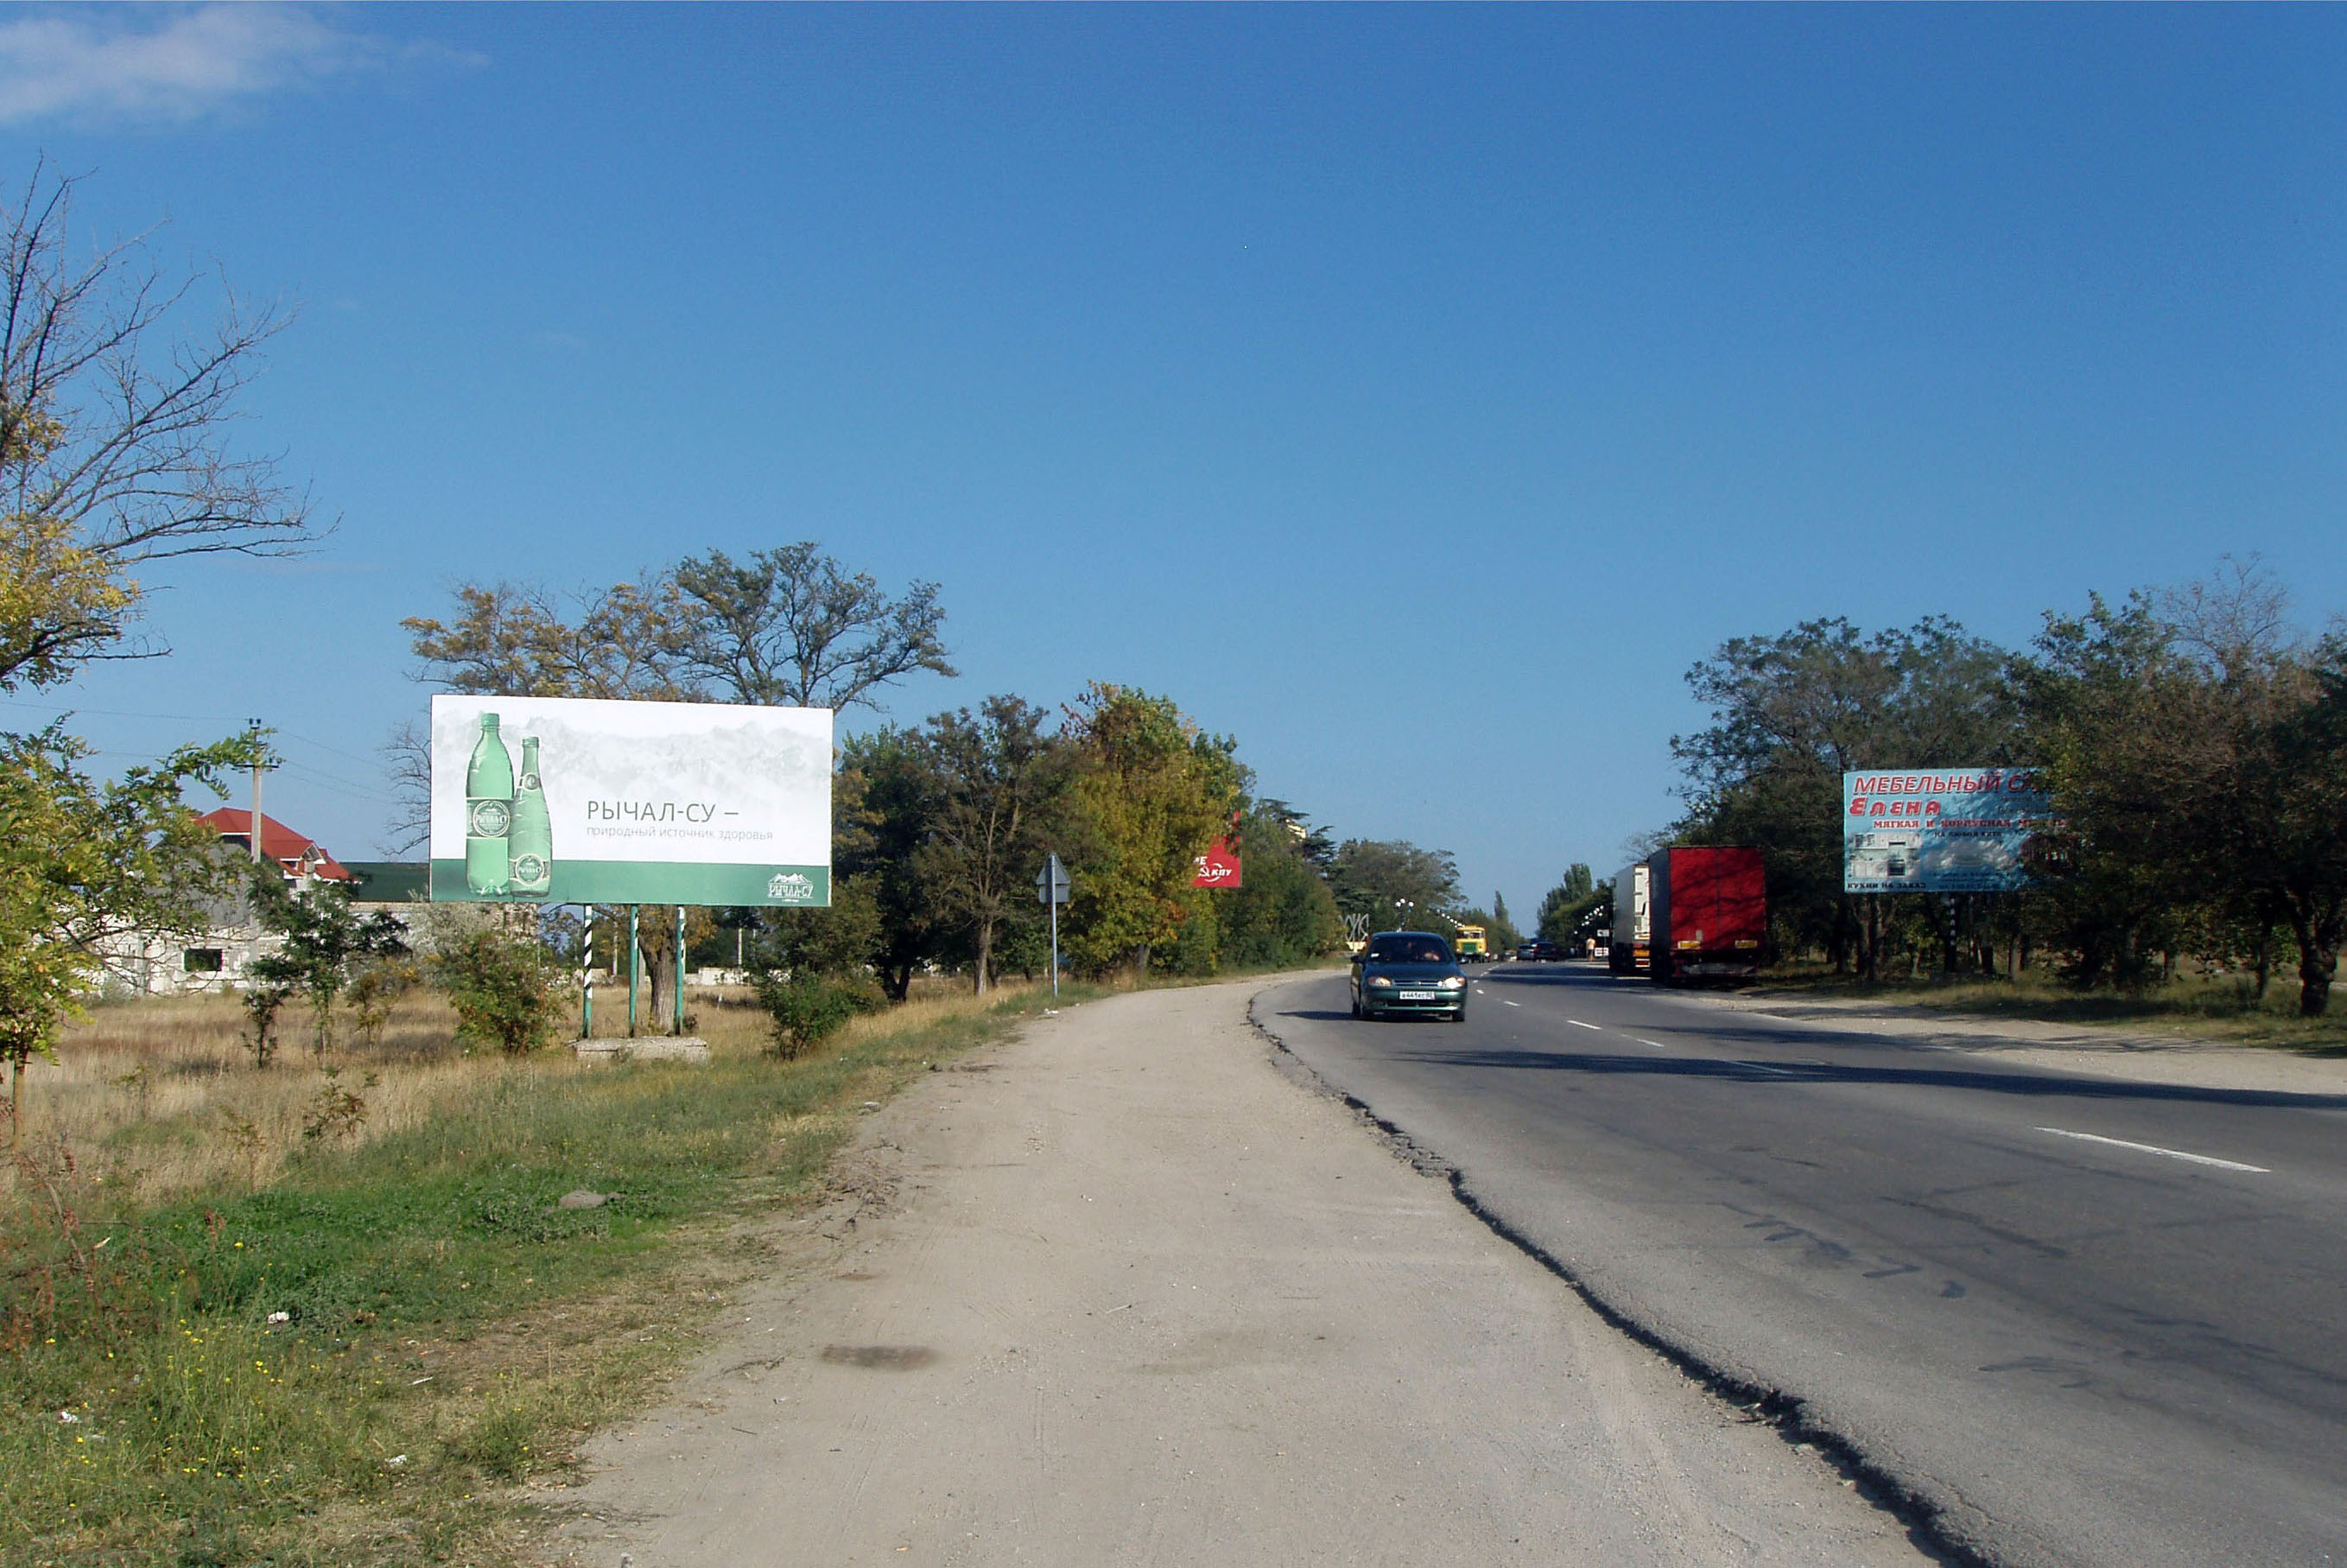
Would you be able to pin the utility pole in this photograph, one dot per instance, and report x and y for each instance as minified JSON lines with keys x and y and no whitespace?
{"x":257,"y":758}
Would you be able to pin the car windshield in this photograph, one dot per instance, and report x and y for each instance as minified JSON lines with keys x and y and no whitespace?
{"x":1408,"y":950}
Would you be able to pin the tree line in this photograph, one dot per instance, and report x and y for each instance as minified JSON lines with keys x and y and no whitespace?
{"x":117,"y":406}
{"x":2192,"y":740}
{"x":939,"y":826}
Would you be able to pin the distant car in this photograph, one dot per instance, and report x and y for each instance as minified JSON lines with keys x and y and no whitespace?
{"x":1547,"y":951}
{"x":1402,"y":972}
{"x":1527,"y":951}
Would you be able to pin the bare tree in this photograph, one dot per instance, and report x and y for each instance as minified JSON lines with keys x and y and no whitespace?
{"x":2236,"y":620}
{"x":788,"y":626}
{"x":114,"y":449}
{"x":527,"y":640}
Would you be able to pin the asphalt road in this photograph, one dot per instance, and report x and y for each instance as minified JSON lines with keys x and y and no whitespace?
{"x":2086,"y":1320}
{"x":1123,"y":1293}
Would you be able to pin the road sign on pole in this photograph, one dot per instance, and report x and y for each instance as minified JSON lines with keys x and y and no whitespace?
{"x":1052,"y":888}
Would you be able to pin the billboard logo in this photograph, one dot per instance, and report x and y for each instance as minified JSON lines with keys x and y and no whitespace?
{"x":790,"y":887}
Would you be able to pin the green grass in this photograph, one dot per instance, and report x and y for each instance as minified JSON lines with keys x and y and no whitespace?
{"x":2222,"y":1011}
{"x":448,"y":1329}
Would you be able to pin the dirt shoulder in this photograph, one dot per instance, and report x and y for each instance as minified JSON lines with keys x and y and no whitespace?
{"x":1122,"y":1291}
{"x":2103,"y":1050}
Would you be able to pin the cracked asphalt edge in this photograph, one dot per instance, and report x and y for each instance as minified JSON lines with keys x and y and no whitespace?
{"x":1926,"y":1520}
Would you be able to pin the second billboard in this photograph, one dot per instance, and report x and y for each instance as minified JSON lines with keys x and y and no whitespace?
{"x":1959,"y":831}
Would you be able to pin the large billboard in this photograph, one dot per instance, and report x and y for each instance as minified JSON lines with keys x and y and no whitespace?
{"x":1964,"y":831}
{"x":563,"y":800}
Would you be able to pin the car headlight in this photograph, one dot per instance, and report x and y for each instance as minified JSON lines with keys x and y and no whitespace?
{"x":1381,"y":980}
{"x":1454,"y":983}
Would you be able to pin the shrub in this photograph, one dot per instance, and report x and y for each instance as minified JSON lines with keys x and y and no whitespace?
{"x":809,"y":1009}
{"x":503,"y":986}
{"x":262,"y":1005}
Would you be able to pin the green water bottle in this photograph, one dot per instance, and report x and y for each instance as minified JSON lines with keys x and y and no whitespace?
{"x":532,"y":840}
{"x":488,"y":813}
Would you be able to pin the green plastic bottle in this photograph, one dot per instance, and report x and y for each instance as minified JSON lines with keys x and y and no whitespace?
{"x":532,"y":839}
{"x":488,"y":813}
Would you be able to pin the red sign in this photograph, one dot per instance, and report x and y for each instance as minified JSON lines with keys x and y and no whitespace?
{"x":1219,"y":866}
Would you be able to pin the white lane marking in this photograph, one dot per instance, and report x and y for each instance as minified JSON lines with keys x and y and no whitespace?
{"x":1578,"y":1024}
{"x":2156,"y":1149}
{"x":1764,"y":1066}
{"x":1510,"y":1003}
{"x":1657,"y":1044}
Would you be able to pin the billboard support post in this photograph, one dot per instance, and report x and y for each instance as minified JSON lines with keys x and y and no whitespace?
{"x":678,"y":1029}
{"x":587,"y":980}
{"x":635,"y":967}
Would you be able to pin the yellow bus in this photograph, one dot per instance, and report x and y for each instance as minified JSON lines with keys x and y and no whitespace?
{"x":1468,"y":941}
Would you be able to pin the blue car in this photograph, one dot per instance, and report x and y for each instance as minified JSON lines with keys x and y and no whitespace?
{"x":1401,"y":972}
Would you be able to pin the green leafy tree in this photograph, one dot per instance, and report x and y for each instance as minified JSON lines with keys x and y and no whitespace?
{"x":1282,"y":913}
{"x":2127,"y":732}
{"x":323,"y":943}
{"x":1791,"y":713}
{"x":885,"y":806}
{"x":2295,"y":783}
{"x":1500,"y":930}
{"x":2191,"y":746}
{"x":1567,"y":905}
{"x":837,"y":942}
{"x":1150,"y":792}
{"x":90,"y":872}
{"x":1000,"y":783}
{"x":1393,"y":882}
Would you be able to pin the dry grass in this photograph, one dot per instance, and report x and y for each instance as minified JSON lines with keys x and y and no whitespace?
{"x":162,"y":1092}
{"x":410,"y":1289}
{"x":165,"y":1092}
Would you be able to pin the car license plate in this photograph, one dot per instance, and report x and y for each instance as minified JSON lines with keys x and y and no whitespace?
{"x":1421,"y":996}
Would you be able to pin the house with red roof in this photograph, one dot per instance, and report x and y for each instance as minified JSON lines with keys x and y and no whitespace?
{"x":216,"y":960}
{"x":300,"y":857}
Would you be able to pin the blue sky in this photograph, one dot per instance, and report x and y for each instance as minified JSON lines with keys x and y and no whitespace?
{"x":1412,"y":392}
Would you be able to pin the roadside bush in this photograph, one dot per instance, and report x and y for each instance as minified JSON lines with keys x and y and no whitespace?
{"x":503,"y":986}
{"x":809,"y":1009}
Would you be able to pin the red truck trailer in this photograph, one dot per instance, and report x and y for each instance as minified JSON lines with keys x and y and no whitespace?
{"x":1709,"y":911}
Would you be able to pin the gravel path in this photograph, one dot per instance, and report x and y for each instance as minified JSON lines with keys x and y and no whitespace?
{"x":1122,"y":1291}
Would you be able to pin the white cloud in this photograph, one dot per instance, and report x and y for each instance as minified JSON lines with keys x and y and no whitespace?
{"x":179,"y":65}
